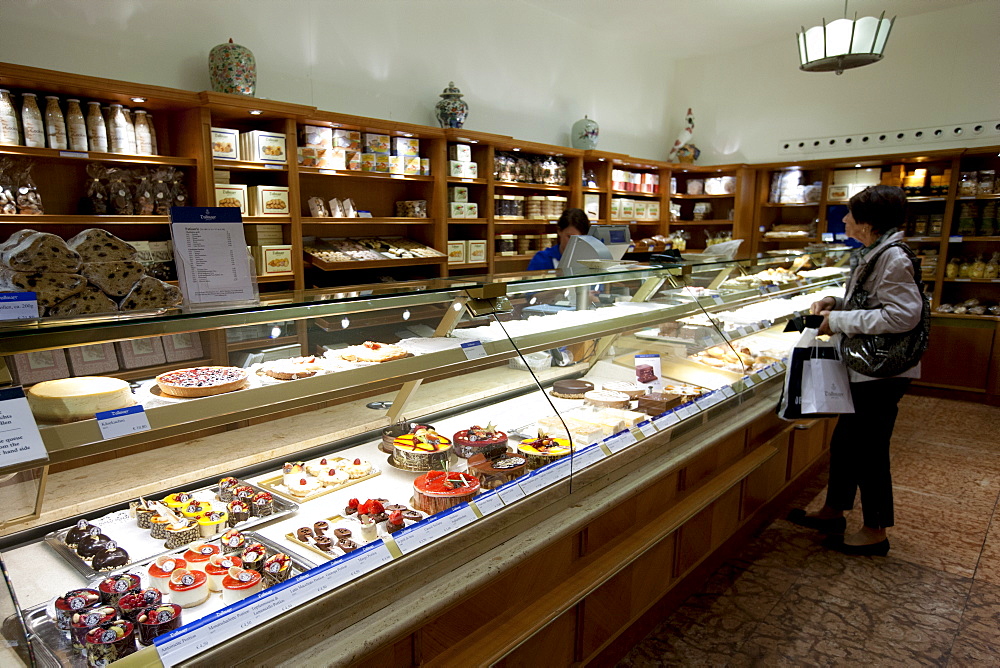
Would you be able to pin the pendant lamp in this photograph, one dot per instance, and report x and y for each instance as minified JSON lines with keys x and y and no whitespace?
{"x":843,"y":44}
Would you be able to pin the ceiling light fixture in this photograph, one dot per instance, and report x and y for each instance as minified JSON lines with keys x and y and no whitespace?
{"x":843,"y":44}
{"x":140,"y":100}
{"x":255,"y":112}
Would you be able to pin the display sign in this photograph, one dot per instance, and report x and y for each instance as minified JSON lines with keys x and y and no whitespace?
{"x":589,"y":456}
{"x":19,"y":438}
{"x":18,"y":306}
{"x":647,"y":427}
{"x":473,"y":350}
{"x":666,"y":420}
{"x":620,"y":441}
{"x":122,"y":422}
{"x":487,"y":503}
{"x":430,"y":529}
{"x":549,"y":474}
{"x":210,"y":251}
{"x":510,"y":493}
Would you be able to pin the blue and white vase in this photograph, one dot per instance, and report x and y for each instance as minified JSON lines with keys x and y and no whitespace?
{"x":451,"y":110}
{"x":584,"y":134}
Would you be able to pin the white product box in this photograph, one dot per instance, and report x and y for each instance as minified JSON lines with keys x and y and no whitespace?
{"x":471,"y":210}
{"x":616,"y":209}
{"x":225,"y":144}
{"x":263,"y":235}
{"x":425,"y":166}
{"x":347,"y":139}
{"x":456,"y":252}
{"x":456,"y":168}
{"x":639,"y":208}
{"x":232,"y":194}
{"x":316,"y":136}
{"x":471,"y":170}
{"x":652,"y":210}
{"x":275,"y":259}
{"x":269,"y":201}
{"x":137,"y":353}
{"x":396,"y":164}
{"x":456,"y":209}
{"x":95,"y":360}
{"x":592,"y":206}
{"x":458,"y":194}
{"x":382,"y":163}
{"x":475,"y":250}
{"x":406,"y":147}
{"x":460,"y":152}
{"x":264,"y":146}
{"x":628,"y":209}
{"x":182,"y":347}
{"x":376,"y":143}
{"x":411,"y":165}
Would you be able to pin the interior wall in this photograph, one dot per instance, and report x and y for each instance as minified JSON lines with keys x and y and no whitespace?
{"x":939,"y":68}
{"x":525,"y":72}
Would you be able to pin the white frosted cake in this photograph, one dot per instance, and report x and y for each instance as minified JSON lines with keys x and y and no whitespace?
{"x":69,"y":399}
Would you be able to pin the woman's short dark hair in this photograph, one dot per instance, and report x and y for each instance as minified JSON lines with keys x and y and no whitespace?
{"x":574,"y":218}
{"x":882,"y":207}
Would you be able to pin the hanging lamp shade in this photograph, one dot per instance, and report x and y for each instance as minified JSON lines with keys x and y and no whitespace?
{"x":843,"y":44}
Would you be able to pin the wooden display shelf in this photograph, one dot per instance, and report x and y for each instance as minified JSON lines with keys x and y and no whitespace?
{"x":279,"y":220}
{"x":966,"y":316}
{"x":468,"y":265}
{"x":65,"y":154}
{"x":701,"y":222}
{"x":376,"y":264}
{"x":468,"y":221}
{"x":914,"y":200}
{"x":923,"y":239}
{"x":970,"y":199}
{"x":389,"y":220}
{"x":276,"y":278}
{"x":789,"y":205}
{"x":631,"y":193}
{"x":972,"y":280}
{"x":785,"y":240}
{"x":526,"y":221}
{"x":132,"y":375}
{"x":247,"y":166}
{"x":321,"y":171}
{"x":75,"y":219}
{"x":255,"y":344}
{"x":460,"y":180}
{"x":594,"y":190}
{"x":531,"y":186}
{"x":685,"y":196}
{"x":512,"y":258}
{"x":993,"y":238}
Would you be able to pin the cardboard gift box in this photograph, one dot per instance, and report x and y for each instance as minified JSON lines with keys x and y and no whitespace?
{"x":182,"y":347}
{"x":269,"y":201}
{"x":273,"y":259}
{"x":406,"y":146}
{"x":225,"y":144}
{"x":95,"y":360}
{"x":232,"y":194}
{"x":456,"y":252}
{"x":137,"y":353}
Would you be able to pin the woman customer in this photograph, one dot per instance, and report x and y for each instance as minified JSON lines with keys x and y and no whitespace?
{"x":571,"y":223}
{"x":859,"y":449}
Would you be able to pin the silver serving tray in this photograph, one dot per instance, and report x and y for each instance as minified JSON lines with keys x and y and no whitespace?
{"x":56,"y":539}
{"x":54,"y":648}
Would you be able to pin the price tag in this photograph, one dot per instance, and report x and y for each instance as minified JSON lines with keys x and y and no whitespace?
{"x":647,"y":427}
{"x":827,"y":236}
{"x":473,"y":350}
{"x":122,"y":422}
{"x":963,"y":280}
{"x":728,"y":391}
{"x":666,"y":420}
{"x":620,"y":441}
{"x":332,"y":172}
{"x":441,"y":524}
{"x":18,"y":306}
{"x":718,"y":299}
{"x":510,"y":493}
{"x":773,"y":288}
{"x":749,"y":381}
{"x":273,"y":167}
{"x":73,"y":154}
{"x":468,"y":180}
{"x":545,"y":476}
{"x":587,"y":457}
{"x":19,"y":438}
{"x":955,"y":240}
{"x":706,"y":401}
{"x":488,"y":503}
{"x":742,"y":331}
{"x":355,"y":564}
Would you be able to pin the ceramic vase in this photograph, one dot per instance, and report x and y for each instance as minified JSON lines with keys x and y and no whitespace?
{"x":233,"y":69}
{"x":584,"y":134}
{"x":451,"y":109}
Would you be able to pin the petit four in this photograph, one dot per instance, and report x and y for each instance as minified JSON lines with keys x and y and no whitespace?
{"x":487,"y":440}
{"x":218,"y":566}
{"x":110,"y":557}
{"x":605,"y":398}
{"x":197,"y":557}
{"x":543,"y":450}
{"x":161,"y":570}
{"x":412,"y":515}
{"x":239,"y":584}
{"x":130,"y":605}
{"x":232,"y":541}
{"x":194,"y":508}
{"x":340,"y":533}
{"x":177,"y":500}
{"x":114,"y":587}
{"x":253,"y":556}
{"x":321,"y":527}
{"x":436,"y":491}
{"x":88,"y":619}
{"x":352,"y":507}
{"x":369,"y":530}
{"x":422,"y":451}
{"x":358,"y":468}
{"x":202,"y":381}
{"x":74,"y":601}
{"x":571,"y":389}
{"x":277,"y":568}
{"x":303,"y":534}
{"x":347,"y":545}
{"x":324,"y":543}
{"x":374,"y":509}
{"x":262,"y":504}
{"x":108,"y":642}
{"x":497,"y":471}
{"x":239,"y":511}
{"x":395,"y":522}
{"x":244,"y":493}
{"x":212,"y":522}
{"x":226,"y":486}
{"x":188,"y":588}
{"x":155,"y":621}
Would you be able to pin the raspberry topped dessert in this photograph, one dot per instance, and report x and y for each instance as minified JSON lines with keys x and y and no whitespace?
{"x":202,"y":381}
{"x":475,"y":440}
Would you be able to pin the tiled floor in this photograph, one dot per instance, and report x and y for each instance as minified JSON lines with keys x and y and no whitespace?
{"x":934,"y":601}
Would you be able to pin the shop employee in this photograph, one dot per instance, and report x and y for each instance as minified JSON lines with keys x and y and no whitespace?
{"x":571,"y":223}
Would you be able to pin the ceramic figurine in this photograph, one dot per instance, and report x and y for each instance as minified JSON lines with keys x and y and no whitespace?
{"x":683,"y":138}
{"x":584,"y":134}
{"x":451,"y":109}
{"x":233,"y":69}
{"x":688,"y":153}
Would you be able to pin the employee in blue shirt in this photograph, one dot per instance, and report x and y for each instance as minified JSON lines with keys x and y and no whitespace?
{"x":571,"y":223}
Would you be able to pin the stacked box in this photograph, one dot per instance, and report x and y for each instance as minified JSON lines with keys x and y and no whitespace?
{"x":232,"y":194}
{"x":225,"y":144}
{"x":411,"y":165}
{"x":348,"y":140}
{"x":406,"y":147}
{"x":262,"y":146}
{"x":376,"y":143}
{"x":475,"y":250}
{"x":316,"y":136}
{"x":269,"y":201}
{"x":263,"y":235}
{"x":425,"y":166}
{"x":382,"y":163}
{"x":273,"y":259}
{"x":456,"y":252}
{"x":467,"y":170}
{"x":458,"y":194}
{"x":367,"y":162}
{"x":395,"y":164}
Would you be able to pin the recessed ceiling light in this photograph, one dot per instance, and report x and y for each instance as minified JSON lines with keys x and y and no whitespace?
{"x":473,"y":141}
{"x":256,"y":112}
{"x":138,"y":99}
{"x":516,"y":149}
{"x":858,"y":165}
{"x":336,"y":125}
{"x":600,"y":159}
{"x":407,"y":134}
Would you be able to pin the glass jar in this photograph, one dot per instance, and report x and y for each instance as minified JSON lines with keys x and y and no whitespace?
{"x":152,"y":134}
{"x":55,"y":124}
{"x":968,"y":212}
{"x":920,"y":225}
{"x":936,"y":223}
{"x":987,"y":178}
{"x":129,"y":129}
{"x":76,"y":126}
{"x":97,"y":131}
{"x":118,"y":136}
{"x":8,"y":120}
{"x":31,"y":121}
{"x":506,"y":244}
{"x":968,"y":184}
{"x":143,"y":137}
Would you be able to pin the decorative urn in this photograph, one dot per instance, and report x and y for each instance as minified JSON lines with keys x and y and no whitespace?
{"x":233,"y":69}
{"x":584,"y":133}
{"x":451,"y":109}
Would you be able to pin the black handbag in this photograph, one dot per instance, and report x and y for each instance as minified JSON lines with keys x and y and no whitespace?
{"x":886,"y":355}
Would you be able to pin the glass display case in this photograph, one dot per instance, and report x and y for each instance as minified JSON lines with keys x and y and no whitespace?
{"x":286,"y":449}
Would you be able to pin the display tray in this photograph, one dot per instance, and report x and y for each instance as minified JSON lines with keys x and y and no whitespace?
{"x":275,"y":483}
{"x":348,"y":523}
{"x":54,"y":648}
{"x":121,"y":527}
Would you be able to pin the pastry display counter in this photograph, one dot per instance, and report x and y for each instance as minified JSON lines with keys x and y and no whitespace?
{"x":559,"y":384}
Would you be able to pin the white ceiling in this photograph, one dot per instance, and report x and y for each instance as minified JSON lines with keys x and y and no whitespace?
{"x":688,"y":28}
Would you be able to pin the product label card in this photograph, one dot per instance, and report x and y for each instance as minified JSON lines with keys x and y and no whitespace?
{"x":545,"y":476}
{"x":19,"y":438}
{"x":510,"y":493}
{"x":18,"y":305}
{"x":620,"y":441}
{"x":473,"y":350}
{"x":122,"y":422}
{"x":589,"y":456}
{"x":647,"y":427}
{"x":434,"y":527}
{"x":211,"y":253}
{"x":647,"y":371}
{"x":666,"y":420}
{"x":487,"y":503}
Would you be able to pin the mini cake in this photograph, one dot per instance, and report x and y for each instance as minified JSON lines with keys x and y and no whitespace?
{"x":158,"y":527}
{"x":88,"y":619}
{"x":656,"y":403}
{"x":226,"y":486}
{"x":71,"y":399}
{"x":212,"y":522}
{"x":302,"y":486}
{"x":324,"y":543}
{"x":81,"y":529}
{"x":131,"y":604}
{"x":109,"y":641}
{"x":320,"y":528}
{"x":492,"y":473}
{"x":142,"y":512}
{"x":370,"y":351}
{"x":74,"y":601}
{"x":262,"y":504}
{"x":347,"y":545}
{"x":633,"y":390}
{"x":571,"y":389}
{"x":202,"y":381}
{"x":425,"y":450}
{"x":188,"y":588}
{"x":395,"y":522}
{"x":217,"y":567}
{"x":244,"y":493}
{"x":114,"y":587}
{"x":253,"y":556}
{"x":412,"y":515}
{"x":197,"y":557}
{"x":390,"y":433}
{"x":358,"y":468}
{"x":182,"y":533}
{"x":436,"y":491}
{"x":316,"y":466}
{"x":543,"y":450}
{"x":369,"y":530}
{"x":92,"y":543}
{"x":156,"y":621}
{"x":239,"y":511}
{"x":332,"y":477}
{"x":606,"y":399}
{"x":110,"y":557}
{"x":304,"y":534}
{"x":489,"y":441}
{"x":277,"y":568}
{"x":161,"y":570}
{"x":194,"y":508}
{"x":177,"y":500}
{"x":374,"y":509}
{"x":291,"y":472}
{"x":239,"y":584}
{"x":352,"y":507}
{"x":232,"y":541}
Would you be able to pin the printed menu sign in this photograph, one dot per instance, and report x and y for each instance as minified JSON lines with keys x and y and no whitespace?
{"x":19,"y":438}
{"x":210,"y":250}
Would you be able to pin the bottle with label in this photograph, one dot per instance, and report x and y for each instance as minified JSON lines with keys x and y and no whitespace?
{"x":106,"y":113}
{"x":31,"y":119}
{"x":76,"y":125}
{"x":97,"y":131}
{"x":152,"y":133}
{"x":55,"y":124}
{"x":8,"y":119}
{"x":129,"y":129}
{"x":143,"y":138}
{"x":118,"y":135}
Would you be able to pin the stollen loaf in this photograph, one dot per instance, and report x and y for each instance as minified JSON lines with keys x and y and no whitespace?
{"x":96,"y":245}
{"x":50,"y":287}
{"x":90,"y":300}
{"x":40,"y":252}
{"x":116,"y":279}
{"x":151,"y":293}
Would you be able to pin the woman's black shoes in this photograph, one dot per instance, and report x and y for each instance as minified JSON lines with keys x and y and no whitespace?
{"x":834,"y":525}
{"x":837,"y":543}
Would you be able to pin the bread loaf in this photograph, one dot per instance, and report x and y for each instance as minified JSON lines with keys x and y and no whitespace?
{"x":151,"y":293}
{"x":90,"y":300}
{"x":96,"y":245}
{"x":50,"y":287}
{"x":41,"y":252}
{"x":16,"y":238}
{"x":116,"y":278}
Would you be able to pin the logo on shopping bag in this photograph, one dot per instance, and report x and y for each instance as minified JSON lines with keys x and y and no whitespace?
{"x":833,"y":393}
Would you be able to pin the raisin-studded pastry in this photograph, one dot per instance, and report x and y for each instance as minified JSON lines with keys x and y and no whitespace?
{"x":89,"y":300}
{"x":96,"y":245}
{"x":50,"y":287}
{"x":116,"y":279}
{"x":150,"y":293}
{"x":42,"y":253}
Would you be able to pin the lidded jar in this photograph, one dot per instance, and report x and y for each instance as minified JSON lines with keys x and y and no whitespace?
{"x":97,"y":131}
{"x":8,"y":120}
{"x":55,"y":124}
{"x":31,"y":121}
{"x":76,"y":125}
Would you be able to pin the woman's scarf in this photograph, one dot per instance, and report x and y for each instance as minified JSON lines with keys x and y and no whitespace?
{"x":862,"y":252}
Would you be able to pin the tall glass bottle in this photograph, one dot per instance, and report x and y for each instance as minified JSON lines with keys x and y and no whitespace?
{"x":8,"y":119}
{"x":129,"y":129}
{"x":117,"y":135}
{"x":152,"y":133}
{"x":97,"y":131}
{"x":143,"y":138}
{"x":31,"y":119}
{"x":55,"y":124}
{"x":106,"y":112}
{"x":76,"y":125}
